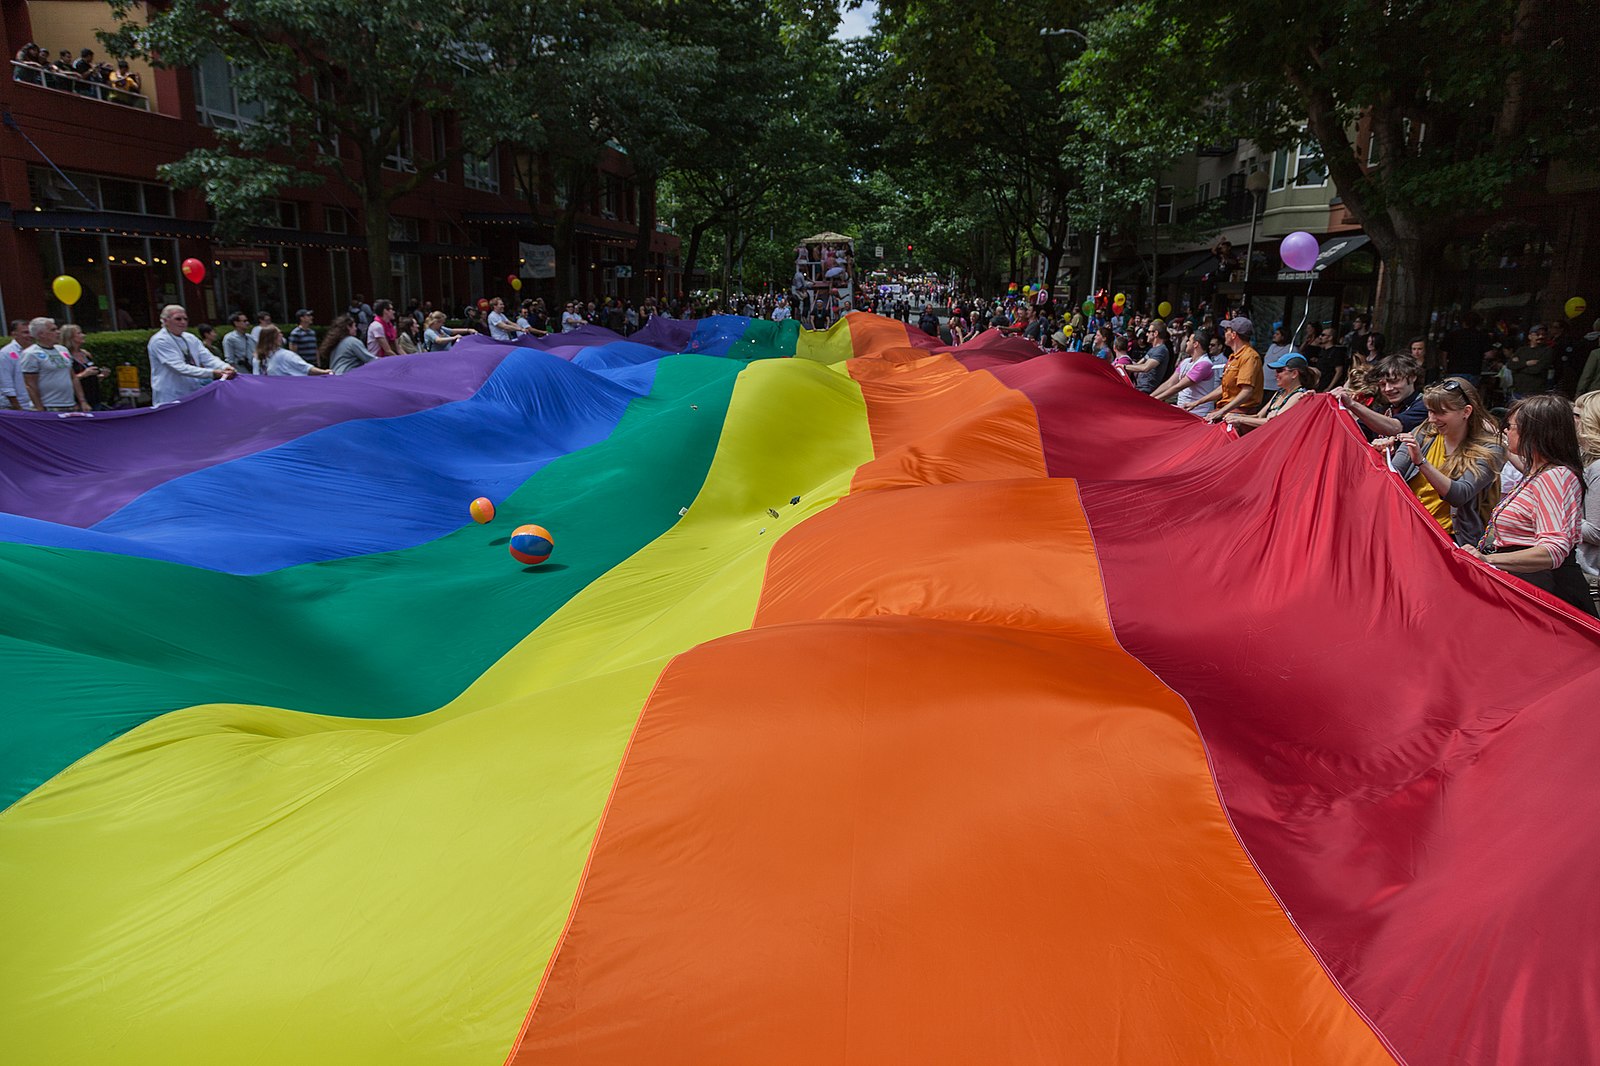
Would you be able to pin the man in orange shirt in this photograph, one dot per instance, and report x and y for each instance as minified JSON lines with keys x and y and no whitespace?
{"x":1242,"y":381}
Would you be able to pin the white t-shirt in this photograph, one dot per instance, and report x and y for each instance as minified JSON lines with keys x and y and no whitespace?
{"x":11,"y":383}
{"x":570,"y":320}
{"x":284,"y":363}
{"x":1205,"y":377}
{"x":501,"y":327}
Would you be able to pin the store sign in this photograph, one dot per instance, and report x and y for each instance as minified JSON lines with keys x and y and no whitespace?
{"x":255,"y":255}
{"x":538,"y":260}
{"x":128,"y":381}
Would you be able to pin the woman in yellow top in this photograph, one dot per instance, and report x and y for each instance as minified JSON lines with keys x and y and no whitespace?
{"x":1452,"y":462}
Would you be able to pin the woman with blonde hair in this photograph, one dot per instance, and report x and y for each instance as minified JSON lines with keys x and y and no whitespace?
{"x":83,"y":365}
{"x":436,"y":336}
{"x":1453,"y":460}
{"x":1586,"y":412}
{"x":1534,"y":531}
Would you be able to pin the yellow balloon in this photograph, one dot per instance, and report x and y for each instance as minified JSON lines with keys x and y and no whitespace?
{"x":1121,"y":299}
{"x":67,"y":289}
{"x":1577,"y":306}
{"x":1067,"y":330}
{"x":516,"y":284}
{"x":1164,"y":309}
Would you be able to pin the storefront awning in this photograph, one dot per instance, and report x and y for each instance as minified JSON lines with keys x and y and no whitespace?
{"x":113,"y":223}
{"x":1190,"y":268}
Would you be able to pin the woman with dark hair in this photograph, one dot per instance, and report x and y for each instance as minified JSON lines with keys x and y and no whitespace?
{"x":1296,"y":379}
{"x":1534,"y":531}
{"x":341,"y":349}
{"x":1453,"y":462}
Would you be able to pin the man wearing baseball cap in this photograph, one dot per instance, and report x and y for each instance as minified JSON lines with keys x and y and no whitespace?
{"x":303,"y":339}
{"x":1244,"y":377}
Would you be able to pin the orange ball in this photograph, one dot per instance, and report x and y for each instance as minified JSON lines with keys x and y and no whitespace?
{"x":482,"y":510}
{"x":531,"y":544}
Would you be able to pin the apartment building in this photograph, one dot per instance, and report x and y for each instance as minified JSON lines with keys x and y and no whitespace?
{"x":80,"y":195}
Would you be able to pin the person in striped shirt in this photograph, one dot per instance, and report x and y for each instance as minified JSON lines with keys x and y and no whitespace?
{"x":1534,"y":531}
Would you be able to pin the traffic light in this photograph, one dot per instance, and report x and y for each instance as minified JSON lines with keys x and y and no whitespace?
{"x":908,"y":249}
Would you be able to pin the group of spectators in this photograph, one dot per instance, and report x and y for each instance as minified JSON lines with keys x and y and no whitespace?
{"x":1496,"y":433}
{"x":33,"y":64}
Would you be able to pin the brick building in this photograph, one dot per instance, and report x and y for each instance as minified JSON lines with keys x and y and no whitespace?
{"x":79,"y":195}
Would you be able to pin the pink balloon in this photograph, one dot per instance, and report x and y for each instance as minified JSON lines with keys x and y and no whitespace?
{"x":1299,"y":250}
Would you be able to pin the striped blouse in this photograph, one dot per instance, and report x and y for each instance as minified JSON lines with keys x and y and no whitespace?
{"x":1544,"y":511}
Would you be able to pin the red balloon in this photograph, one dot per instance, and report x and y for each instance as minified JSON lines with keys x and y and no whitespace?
{"x":194,"y":270}
{"x":483,"y":304}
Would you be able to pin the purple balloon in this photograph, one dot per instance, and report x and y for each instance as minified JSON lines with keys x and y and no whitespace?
{"x":1299,"y":250}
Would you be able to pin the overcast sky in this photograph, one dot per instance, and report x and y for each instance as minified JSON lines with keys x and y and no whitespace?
{"x":856,"y":23}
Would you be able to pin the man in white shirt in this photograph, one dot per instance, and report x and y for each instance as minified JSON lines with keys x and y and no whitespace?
{"x":780,"y":312}
{"x":378,"y":342}
{"x":501,"y":326}
{"x":179,"y":363}
{"x":47,"y":370}
{"x":13,"y":394}
{"x":263,"y":320}
{"x":238,"y":347}
{"x":570,"y":319}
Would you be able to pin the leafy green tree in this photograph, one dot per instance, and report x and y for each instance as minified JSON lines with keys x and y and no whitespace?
{"x":334,"y":80}
{"x":1463,"y":101}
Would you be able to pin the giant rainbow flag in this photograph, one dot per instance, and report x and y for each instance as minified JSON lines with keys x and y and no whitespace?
{"x":881,"y":703}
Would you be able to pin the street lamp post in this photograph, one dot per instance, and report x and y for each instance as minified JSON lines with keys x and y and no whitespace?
{"x":1256,"y":184}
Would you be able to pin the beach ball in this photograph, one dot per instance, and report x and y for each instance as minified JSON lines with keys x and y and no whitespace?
{"x":531,"y":544}
{"x":482,"y":510}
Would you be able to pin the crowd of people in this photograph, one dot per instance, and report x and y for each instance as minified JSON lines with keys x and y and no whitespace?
{"x":83,"y":74}
{"x":1496,"y":432}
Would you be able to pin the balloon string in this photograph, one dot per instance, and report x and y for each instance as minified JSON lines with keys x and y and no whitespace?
{"x":1295,"y":339}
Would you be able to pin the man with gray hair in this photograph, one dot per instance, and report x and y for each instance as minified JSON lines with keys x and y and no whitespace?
{"x":47,"y":370}
{"x":179,"y":363}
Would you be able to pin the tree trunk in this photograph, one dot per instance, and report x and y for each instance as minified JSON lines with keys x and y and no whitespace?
{"x":693,"y":257}
{"x":376,"y":213}
{"x":647,"y":231}
{"x":1405,"y":288}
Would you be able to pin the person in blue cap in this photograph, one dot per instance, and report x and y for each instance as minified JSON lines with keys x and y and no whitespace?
{"x":1296,"y":379}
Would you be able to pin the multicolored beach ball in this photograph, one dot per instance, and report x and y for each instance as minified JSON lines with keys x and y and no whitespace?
{"x":482,"y":510}
{"x":531,"y":544}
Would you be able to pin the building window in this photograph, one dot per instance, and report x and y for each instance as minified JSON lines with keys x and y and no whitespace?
{"x":1202,"y":192}
{"x":402,"y":155}
{"x":611,"y":197}
{"x":216,"y":97}
{"x":77,"y":191}
{"x":440,"y":148}
{"x":1280,"y":169}
{"x":482,"y":173}
{"x":1309,"y":167}
{"x":288,"y":214}
{"x":335,"y":220}
{"x":1161,"y":212}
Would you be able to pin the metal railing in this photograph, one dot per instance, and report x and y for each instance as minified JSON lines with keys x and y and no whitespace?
{"x":55,"y":80}
{"x":1228,"y":208}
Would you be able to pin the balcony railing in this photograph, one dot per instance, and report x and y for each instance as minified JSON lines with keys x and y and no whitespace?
{"x":1229,"y":208}
{"x":55,"y":80}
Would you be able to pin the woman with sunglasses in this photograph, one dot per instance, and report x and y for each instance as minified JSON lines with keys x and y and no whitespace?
{"x":1452,"y":462}
{"x":1534,"y":531}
